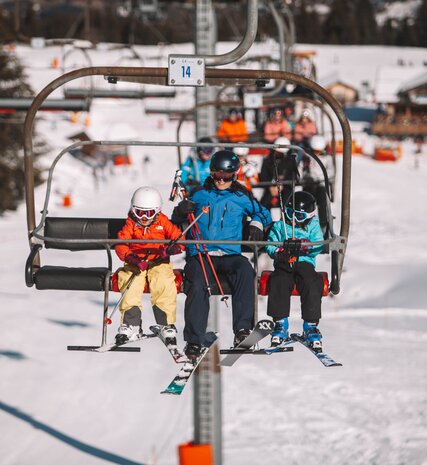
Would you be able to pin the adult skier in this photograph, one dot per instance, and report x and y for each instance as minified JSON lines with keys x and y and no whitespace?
{"x":230,"y":204}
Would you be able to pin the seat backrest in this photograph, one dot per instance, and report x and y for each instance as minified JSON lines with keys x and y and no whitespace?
{"x":80,"y":228}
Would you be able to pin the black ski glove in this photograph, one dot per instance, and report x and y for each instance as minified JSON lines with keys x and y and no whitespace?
{"x":186,"y":206}
{"x":255,"y":234}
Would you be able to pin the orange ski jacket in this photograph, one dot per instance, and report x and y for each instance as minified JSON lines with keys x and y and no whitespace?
{"x":233,"y":132}
{"x":161,"y":228}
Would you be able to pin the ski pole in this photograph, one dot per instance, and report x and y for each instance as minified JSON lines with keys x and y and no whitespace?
{"x":294,"y":167}
{"x":279,"y":188}
{"x":224,"y":297}
{"x":108,"y":320}
{"x":282,"y":208}
{"x":174,"y":241}
{"x":178,"y":190}
{"x":195,"y":230}
{"x":193,"y":222}
{"x":175,"y":185}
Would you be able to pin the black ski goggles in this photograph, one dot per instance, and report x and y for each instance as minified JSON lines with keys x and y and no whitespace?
{"x":222,"y":176}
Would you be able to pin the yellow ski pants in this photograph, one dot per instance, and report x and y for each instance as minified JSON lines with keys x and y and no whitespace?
{"x":161,"y":280}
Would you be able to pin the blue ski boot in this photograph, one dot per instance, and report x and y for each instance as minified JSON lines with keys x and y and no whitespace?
{"x":280,"y":332}
{"x":312,"y":335}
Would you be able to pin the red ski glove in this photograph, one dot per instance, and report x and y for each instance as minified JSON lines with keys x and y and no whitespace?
{"x":166,"y":252}
{"x":134,"y":260}
{"x":304,"y":248}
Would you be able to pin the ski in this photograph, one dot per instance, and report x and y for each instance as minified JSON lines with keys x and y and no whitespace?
{"x":113,"y":347}
{"x":279,"y":348}
{"x":262,"y":329}
{"x":255,"y":351}
{"x":177,"y":354}
{"x":321,"y":356}
{"x":177,"y":385}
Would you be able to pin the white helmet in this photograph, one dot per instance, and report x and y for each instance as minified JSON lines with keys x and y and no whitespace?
{"x":306,"y":113}
{"x":318,"y":143}
{"x":146,"y":203}
{"x":241,"y":151}
{"x":282,"y":141}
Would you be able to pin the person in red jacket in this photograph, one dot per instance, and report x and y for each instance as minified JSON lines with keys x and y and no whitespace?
{"x":276,"y":126}
{"x":304,"y":129}
{"x":149,"y":262}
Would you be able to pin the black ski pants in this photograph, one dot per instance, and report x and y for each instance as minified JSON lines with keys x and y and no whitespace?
{"x":240,"y":276}
{"x":309,"y":285}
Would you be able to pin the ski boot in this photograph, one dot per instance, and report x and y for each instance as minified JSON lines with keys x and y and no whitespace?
{"x":313,"y":336}
{"x":280,"y":332}
{"x":128,"y":333}
{"x":240,"y":336}
{"x":168,"y":333}
{"x":193,"y":351}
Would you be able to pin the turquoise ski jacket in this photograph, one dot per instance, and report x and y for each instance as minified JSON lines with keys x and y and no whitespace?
{"x":313,"y":233}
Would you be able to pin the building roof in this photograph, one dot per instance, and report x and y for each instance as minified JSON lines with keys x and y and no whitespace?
{"x":390,"y":80}
{"x":418,"y":81}
{"x":334,"y":78}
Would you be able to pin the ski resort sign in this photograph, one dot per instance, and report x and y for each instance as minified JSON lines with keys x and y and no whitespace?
{"x":184,"y":70}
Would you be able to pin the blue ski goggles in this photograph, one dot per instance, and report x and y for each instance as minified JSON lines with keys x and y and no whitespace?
{"x":299,"y":215}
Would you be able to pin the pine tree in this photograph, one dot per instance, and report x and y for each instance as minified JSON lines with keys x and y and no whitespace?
{"x":366,"y":22}
{"x":307,"y":25}
{"x":12,"y":84}
{"x":406,"y":36}
{"x":340,"y":26}
{"x":421,"y":24}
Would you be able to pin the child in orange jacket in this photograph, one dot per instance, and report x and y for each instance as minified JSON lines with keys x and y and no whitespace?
{"x":147,"y":262}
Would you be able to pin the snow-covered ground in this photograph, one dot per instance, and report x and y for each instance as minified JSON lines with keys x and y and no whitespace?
{"x":88,"y":408}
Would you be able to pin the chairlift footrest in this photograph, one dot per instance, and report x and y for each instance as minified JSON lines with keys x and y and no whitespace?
{"x":115,"y":349}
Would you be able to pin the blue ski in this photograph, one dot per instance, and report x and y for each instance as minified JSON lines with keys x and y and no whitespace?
{"x":279,"y":348}
{"x":321,"y":356}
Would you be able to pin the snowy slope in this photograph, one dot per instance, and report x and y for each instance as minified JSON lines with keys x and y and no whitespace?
{"x":85,"y":408}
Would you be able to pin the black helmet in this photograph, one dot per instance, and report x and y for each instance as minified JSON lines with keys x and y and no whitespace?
{"x":305,"y":206}
{"x":225,"y":160}
{"x":207,"y":150}
{"x":233,"y":112}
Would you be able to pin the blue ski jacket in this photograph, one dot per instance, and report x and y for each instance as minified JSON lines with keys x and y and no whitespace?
{"x":224,"y":221}
{"x":195,"y":171}
{"x":313,"y":233}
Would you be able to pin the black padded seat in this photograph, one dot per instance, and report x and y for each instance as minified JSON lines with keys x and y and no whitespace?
{"x":72,"y":279}
{"x":81,"y":228}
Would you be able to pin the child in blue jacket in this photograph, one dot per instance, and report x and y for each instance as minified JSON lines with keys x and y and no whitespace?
{"x":196,"y":167}
{"x":229,"y":204}
{"x":296,"y":268}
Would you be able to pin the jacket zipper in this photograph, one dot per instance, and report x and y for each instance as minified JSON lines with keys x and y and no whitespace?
{"x":223,"y":214}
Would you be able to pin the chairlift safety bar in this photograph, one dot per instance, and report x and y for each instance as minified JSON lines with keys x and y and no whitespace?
{"x":220,"y":76}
